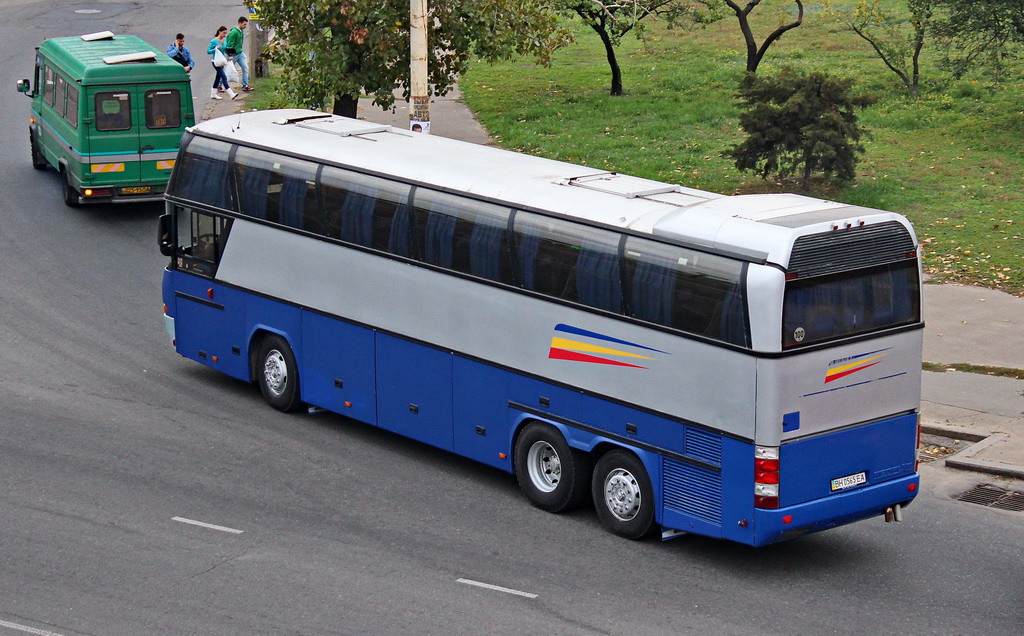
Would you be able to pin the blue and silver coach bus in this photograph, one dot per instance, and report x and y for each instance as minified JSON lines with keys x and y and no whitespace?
{"x":743,"y":367}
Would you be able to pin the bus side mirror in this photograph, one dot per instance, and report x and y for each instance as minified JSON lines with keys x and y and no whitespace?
{"x":165,"y":237}
{"x":25,"y":86}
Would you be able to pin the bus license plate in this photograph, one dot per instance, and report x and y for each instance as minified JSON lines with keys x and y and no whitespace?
{"x":137,"y":190}
{"x":842,"y":483}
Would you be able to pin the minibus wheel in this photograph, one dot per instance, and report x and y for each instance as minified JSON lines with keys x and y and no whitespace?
{"x":623,"y":495}
{"x":38,"y":160}
{"x":70,"y":194}
{"x":277,"y":374}
{"x":551,"y":474}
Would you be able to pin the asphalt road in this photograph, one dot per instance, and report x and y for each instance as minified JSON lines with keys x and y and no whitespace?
{"x":113,"y":447}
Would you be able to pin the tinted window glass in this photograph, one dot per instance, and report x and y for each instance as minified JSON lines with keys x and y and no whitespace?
{"x":58,"y":96}
{"x":277,"y":189}
{"x":72,"y":110}
{"x":113,"y":111}
{"x":48,"y":86}
{"x":568,"y":260}
{"x":366,"y":210}
{"x":685,"y":289}
{"x":201,"y":173}
{"x":827,"y":307}
{"x":163,"y":109}
{"x":462,"y":234}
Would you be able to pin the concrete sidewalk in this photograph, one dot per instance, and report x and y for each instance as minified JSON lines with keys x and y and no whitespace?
{"x":983,"y":327}
{"x":963,"y":325}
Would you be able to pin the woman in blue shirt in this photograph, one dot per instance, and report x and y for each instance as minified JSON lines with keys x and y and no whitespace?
{"x":220,"y":82}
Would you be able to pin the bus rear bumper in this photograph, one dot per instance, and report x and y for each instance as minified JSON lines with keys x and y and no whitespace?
{"x":840,"y":509}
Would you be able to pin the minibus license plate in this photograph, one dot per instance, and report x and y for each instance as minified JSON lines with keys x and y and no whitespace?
{"x":137,"y":190}
{"x":842,"y":483}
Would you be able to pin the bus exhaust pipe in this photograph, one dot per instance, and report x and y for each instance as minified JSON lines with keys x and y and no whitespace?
{"x":894,"y":514}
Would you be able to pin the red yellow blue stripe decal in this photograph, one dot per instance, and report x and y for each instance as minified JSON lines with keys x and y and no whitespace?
{"x":607,"y":350}
{"x":848,"y":366}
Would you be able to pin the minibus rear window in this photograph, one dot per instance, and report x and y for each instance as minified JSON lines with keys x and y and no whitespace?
{"x":163,"y":108}
{"x":113,"y":111}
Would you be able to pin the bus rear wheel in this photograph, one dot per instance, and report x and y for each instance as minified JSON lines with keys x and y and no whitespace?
{"x":70,"y":194}
{"x":623,"y":495}
{"x":38,"y":160}
{"x":551,"y":474}
{"x":277,"y":374}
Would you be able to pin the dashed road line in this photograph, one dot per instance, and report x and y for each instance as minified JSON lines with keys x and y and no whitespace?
{"x":206,"y":525}
{"x":27,"y":629}
{"x":496,"y":588}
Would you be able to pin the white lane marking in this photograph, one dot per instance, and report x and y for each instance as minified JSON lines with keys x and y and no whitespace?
{"x":496,"y":588}
{"x":27,"y":629}
{"x":206,"y":525}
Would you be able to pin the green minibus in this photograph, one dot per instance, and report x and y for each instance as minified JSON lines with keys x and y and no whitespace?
{"x":108,"y":112}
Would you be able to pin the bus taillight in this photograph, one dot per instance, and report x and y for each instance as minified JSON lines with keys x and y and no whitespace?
{"x":766,"y":477}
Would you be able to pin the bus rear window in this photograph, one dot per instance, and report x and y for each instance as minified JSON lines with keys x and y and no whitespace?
{"x":113,"y":111}
{"x":850,"y":303}
{"x":163,"y":108}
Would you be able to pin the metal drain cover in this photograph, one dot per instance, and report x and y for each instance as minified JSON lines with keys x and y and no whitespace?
{"x":994,"y":497}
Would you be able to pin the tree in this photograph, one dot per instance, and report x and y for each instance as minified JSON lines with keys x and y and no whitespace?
{"x":611,"y":21}
{"x":798,"y":122}
{"x":336,"y":50}
{"x":704,"y":12}
{"x":974,"y":31}
{"x":897,"y":36}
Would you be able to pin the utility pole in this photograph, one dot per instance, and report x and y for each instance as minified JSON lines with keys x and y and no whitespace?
{"x":419,"y":116}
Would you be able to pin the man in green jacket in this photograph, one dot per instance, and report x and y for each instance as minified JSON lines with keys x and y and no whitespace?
{"x":233,"y":43}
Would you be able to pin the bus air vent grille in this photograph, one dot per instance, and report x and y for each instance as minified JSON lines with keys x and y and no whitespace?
{"x":704,"y":446}
{"x":850,"y":248}
{"x":693,"y":491}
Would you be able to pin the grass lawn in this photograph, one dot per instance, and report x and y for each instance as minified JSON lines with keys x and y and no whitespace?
{"x":951,"y":160}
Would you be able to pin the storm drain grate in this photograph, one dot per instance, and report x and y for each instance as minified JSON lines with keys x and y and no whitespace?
{"x":993,"y":497}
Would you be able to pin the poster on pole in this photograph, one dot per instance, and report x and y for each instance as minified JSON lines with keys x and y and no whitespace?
{"x":419,"y":126}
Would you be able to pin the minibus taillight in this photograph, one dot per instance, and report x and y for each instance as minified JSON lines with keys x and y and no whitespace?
{"x":766,"y":477}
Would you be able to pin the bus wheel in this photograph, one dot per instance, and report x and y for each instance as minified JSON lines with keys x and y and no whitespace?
{"x":277,"y":374}
{"x":552,"y":474}
{"x":623,"y":495}
{"x":38,"y":160}
{"x":70,"y":194}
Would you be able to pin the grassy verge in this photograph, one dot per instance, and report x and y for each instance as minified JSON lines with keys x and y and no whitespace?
{"x":963,"y":367}
{"x":950,"y":160}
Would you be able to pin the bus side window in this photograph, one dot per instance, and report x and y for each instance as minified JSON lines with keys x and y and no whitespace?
{"x":202,"y":173}
{"x":72,"y":109}
{"x":48,"y":92}
{"x":363,"y":209}
{"x":547,"y":254}
{"x":113,"y":111}
{"x":201,"y":240}
{"x":599,"y":271}
{"x":58,"y":96}
{"x":685,"y":289}
{"x":163,"y":108}
{"x":277,"y":189}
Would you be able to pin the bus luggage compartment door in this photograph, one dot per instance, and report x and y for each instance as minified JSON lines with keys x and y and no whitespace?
{"x":848,"y":460}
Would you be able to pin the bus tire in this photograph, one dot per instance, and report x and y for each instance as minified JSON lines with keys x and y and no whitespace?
{"x":551,"y":474}
{"x":38,"y":160}
{"x":623,"y":495}
{"x":277,"y":374}
{"x":70,"y":194}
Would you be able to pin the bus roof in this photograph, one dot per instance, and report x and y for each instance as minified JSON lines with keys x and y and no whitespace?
{"x":758,"y":227}
{"x":93,"y":61}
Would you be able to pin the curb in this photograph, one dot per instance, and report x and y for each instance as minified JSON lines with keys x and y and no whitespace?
{"x":965,"y":460}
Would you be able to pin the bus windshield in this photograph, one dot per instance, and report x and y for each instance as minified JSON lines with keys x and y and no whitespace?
{"x":830,"y":307}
